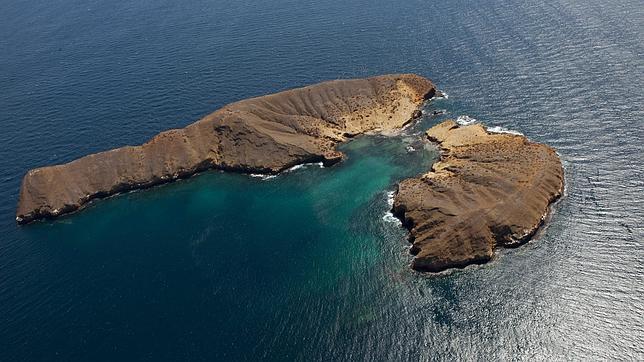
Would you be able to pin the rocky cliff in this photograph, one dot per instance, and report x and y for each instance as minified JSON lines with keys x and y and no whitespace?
{"x":259,"y":135}
{"x":487,"y":190}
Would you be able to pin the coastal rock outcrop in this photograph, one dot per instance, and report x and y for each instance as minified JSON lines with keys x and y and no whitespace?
{"x":258,"y":135}
{"x":487,"y":190}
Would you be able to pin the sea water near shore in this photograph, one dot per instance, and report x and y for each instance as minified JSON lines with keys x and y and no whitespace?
{"x":307,"y":265}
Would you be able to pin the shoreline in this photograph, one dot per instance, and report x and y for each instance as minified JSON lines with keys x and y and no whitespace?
{"x":488,"y":190}
{"x":261,"y":135}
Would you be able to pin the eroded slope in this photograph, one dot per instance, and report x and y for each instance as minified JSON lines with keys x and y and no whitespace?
{"x":487,"y":190}
{"x":261,"y":135}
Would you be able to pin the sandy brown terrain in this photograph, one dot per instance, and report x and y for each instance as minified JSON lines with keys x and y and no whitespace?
{"x":258,"y":135}
{"x":487,"y":190}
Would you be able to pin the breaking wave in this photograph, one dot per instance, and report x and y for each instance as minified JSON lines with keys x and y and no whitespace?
{"x":262,"y":176}
{"x":466,"y":120}
{"x":498,"y":129}
{"x":441,"y":95}
{"x":389,"y":216}
{"x":304,"y":165}
{"x":266,"y":177}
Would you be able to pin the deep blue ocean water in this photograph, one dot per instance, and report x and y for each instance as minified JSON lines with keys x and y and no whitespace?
{"x":307,"y":265}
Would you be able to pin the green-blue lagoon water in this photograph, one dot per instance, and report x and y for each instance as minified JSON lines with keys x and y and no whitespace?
{"x":251,"y":256}
{"x":309,"y":265}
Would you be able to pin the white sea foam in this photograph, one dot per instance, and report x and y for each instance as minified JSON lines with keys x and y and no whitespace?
{"x":294,"y":168}
{"x":262,"y":176}
{"x":389,"y":216}
{"x":304,"y":165}
{"x":442,"y":95}
{"x":390,"y":198}
{"x":291,"y":169}
{"x":466,"y":120}
{"x":498,"y":129}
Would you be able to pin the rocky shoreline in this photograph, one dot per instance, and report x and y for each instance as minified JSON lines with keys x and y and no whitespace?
{"x":265,"y":135}
{"x":487,"y":190}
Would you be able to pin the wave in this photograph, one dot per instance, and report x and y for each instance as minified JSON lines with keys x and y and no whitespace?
{"x":265,"y":177}
{"x":391,"y":195}
{"x":440,"y":95}
{"x":262,"y":176}
{"x":466,"y":120}
{"x":389,"y":216}
{"x":499,"y":129}
{"x":303,"y":165}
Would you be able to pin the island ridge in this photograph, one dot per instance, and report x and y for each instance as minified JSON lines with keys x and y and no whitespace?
{"x":258,"y":135}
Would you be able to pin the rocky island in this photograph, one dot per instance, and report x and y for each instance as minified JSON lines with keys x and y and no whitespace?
{"x":487,"y":190}
{"x":259,"y":135}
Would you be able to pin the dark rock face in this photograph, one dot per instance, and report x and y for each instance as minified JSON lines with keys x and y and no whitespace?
{"x":259,"y":135}
{"x":487,"y":190}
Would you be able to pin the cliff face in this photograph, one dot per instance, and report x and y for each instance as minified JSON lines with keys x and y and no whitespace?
{"x":260,"y":135}
{"x":487,"y":190}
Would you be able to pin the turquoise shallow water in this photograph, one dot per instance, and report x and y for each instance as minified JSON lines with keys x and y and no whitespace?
{"x":303,"y":266}
{"x":237,"y":255}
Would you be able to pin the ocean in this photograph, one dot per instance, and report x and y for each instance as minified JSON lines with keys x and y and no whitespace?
{"x":309,"y":265}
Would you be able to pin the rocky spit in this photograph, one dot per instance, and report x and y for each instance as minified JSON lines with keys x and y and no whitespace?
{"x":259,"y":135}
{"x":487,"y":190}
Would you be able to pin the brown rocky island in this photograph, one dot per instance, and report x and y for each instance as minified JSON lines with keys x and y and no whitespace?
{"x":487,"y":189}
{"x":259,"y":135}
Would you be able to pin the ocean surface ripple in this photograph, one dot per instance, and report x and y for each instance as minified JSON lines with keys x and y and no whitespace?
{"x":305,"y":267}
